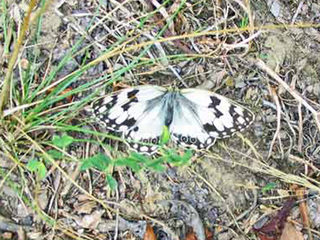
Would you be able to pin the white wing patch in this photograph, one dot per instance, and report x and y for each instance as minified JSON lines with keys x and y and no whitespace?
{"x":195,"y":117}
{"x":127,"y":112}
{"x":187,"y":130}
{"x":148,"y":129}
{"x":220,"y":116}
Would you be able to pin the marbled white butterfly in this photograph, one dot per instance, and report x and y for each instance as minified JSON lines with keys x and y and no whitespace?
{"x":194,"y":117}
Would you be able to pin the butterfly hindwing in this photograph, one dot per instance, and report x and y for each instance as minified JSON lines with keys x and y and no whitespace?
{"x":186,"y":128}
{"x":148,"y":129}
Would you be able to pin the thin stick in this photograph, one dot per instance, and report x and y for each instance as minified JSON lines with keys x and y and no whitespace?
{"x":259,"y":63}
{"x":276,"y":134}
{"x":300,"y":136}
{"x":300,"y":192}
{"x":297,"y":12}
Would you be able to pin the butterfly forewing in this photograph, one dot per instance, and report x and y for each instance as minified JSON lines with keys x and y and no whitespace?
{"x":135,"y":112}
{"x":120,"y":110}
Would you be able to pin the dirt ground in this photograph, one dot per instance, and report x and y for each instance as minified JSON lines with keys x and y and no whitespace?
{"x":242,"y":183}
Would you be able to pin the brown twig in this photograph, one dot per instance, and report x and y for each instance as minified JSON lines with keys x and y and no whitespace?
{"x":304,"y":211}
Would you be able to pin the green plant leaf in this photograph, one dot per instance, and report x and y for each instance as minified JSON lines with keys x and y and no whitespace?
{"x":179,"y":160}
{"x":244,"y":22}
{"x":128,"y":162}
{"x":139,"y":157}
{"x":62,"y":141}
{"x":55,"y":154}
{"x":269,"y":187}
{"x":99,"y":161}
{"x":187,"y":155}
{"x":157,"y":165}
{"x":42,"y":171}
{"x":85,"y":165}
{"x":37,"y":167}
{"x":33,"y":165}
{"x":111,"y":182}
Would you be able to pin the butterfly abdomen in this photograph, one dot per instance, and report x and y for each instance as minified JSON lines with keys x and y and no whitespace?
{"x":169,"y":107}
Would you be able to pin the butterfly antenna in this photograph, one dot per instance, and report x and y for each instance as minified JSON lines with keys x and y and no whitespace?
{"x":178,"y":76}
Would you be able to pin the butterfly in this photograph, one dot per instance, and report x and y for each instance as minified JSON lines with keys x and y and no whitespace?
{"x":193,"y":117}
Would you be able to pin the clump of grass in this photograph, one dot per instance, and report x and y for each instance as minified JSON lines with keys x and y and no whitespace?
{"x":38,"y":120}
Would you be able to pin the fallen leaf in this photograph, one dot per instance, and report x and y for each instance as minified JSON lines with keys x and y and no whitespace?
{"x":274,"y":226}
{"x":290,"y":232}
{"x":65,"y":91}
{"x":90,"y":221}
{"x":265,"y":237}
{"x":149,"y":234}
{"x":209,"y":234}
{"x":191,"y":235}
{"x":119,"y":86}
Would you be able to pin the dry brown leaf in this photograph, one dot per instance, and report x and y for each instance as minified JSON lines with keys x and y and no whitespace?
{"x":209,"y":234}
{"x":149,"y":235}
{"x":90,"y":221}
{"x":191,"y":236}
{"x":274,"y":226}
{"x":265,"y":237}
{"x":290,"y":232}
{"x":65,"y":91}
{"x":85,"y":207}
{"x":7,"y":235}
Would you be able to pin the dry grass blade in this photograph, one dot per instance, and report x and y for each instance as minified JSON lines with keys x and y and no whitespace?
{"x":119,"y":50}
{"x":294,"y":93}
{"x":264,"y":168}
{"x":11,"y":111}
{"x":276,"y":134}
{"x":7,"y":80}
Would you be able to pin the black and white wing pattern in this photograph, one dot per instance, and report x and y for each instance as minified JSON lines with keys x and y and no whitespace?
{"x":136,"y":113}
{"x":194,"y":117}
{"x":202,"y":116}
